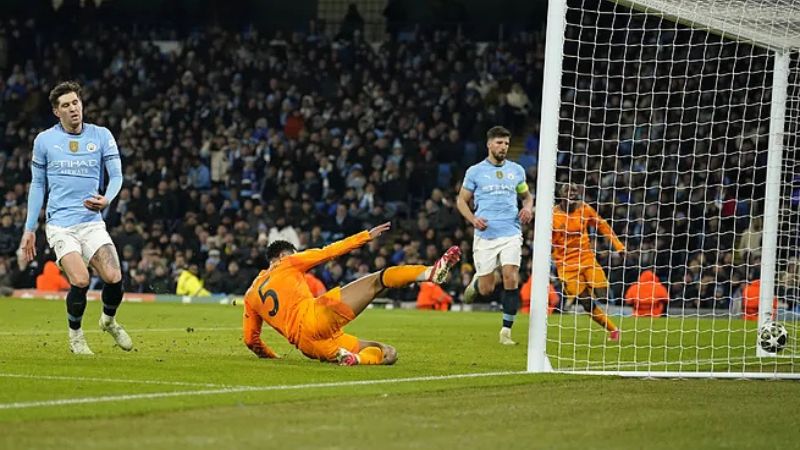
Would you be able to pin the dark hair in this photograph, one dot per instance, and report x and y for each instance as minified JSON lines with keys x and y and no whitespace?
{"x":277,"y":247}
{"x":497,"y":132}
{"x":65,"y":87}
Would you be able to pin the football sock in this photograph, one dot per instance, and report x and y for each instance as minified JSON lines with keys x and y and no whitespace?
{"x":112,"y":297}
{"x":76,"y":305}
{"x":399,"y":276}
{"x":510,"y":299}
{"x":370,"y":356}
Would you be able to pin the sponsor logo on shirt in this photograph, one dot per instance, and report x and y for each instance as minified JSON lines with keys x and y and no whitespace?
{"x":67,"y":167}
{"x":498,"y":189}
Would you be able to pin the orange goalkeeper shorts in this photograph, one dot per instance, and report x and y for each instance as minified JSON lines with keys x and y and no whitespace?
{"x":321,"y":334}
{"x":577,"y":278}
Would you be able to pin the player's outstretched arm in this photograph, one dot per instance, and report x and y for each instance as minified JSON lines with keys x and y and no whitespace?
{"x":308,"y":259}
{"x":605,"y":229}
{"x":251,"y":326}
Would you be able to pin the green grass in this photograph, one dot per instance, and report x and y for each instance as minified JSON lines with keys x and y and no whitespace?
{"x":183,"y":349}
{"x":677,"y":343}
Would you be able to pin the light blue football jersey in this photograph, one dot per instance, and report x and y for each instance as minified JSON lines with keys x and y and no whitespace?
{"x":495,"y":190}
{"x":69,"y":168}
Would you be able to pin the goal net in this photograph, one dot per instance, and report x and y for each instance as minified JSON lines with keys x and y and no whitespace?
{"x":678,"y":123}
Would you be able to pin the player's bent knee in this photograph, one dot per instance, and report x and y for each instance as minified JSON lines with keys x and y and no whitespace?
{"x":485,"y":291}
{"x":486,"y":286}
{"x":112,"y":277}
{"x":79,"y":281}
{"x":511,"y":281}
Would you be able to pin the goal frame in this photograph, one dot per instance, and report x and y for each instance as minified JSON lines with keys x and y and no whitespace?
{"x":538,"y":360}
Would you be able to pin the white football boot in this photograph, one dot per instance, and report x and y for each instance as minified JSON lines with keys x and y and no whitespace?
{"x":110,"y":326}
{"x":77,"y":343}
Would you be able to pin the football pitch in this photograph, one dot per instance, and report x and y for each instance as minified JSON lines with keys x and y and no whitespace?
{"x":190,"y":383}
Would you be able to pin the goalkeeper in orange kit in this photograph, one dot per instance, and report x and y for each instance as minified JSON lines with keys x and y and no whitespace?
{"x":281,"y":297}
{"x":581,"y":276}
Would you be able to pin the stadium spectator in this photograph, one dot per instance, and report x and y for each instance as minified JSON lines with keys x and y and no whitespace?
{"x":553,"y":300}
{"x":160,"y":282}
{"x":750,"y":301}
{"x":189,"y":283}
{"x":283,"y":231}
{"x":236,"y":281}
{"x":214,"y":279}
{"x":51,"y":279}
{"x":8,"y":231}
{"x":648,"y":296}
{"x":138,"y":283}
{"x":431,"y":296}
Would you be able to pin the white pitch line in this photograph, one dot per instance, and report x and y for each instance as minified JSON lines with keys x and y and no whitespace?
{"x":113,"y":380}
{"x":138,"y":331}
{"x":237,"y":389}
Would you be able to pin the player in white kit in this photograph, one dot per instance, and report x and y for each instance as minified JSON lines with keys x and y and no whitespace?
{"x":495,"y":185}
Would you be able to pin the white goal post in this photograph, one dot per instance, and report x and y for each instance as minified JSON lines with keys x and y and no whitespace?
{"x":680,"y":118}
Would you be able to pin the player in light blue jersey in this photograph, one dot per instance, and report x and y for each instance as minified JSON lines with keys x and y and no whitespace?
{"x":68,"y":168}
{"x":495,"y":185}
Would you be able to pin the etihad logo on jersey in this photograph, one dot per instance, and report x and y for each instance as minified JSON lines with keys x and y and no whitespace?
{"x":66,"y":167}
{"x":498,"y":189}
{"x":67,"y":164}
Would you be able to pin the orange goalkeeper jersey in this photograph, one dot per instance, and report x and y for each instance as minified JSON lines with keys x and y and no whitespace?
{"x":571,"y":243}
{"x":281,"y":296}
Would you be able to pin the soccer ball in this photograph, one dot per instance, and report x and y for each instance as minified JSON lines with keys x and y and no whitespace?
{"x":772,"y":337}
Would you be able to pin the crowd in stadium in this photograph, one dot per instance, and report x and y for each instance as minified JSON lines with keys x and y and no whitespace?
{"x":230,"y":140}
{"x":240,"y":138}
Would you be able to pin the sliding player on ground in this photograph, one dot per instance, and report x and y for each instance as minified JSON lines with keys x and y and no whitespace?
{"x":281,"y":297}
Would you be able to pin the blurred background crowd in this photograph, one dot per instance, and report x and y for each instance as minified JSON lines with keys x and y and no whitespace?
{"x":231,"y":139}
{"x":233,"y":135}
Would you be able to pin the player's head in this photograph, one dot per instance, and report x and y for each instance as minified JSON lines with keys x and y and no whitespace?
{"x":67,"y":103}
{"x":571,"y":192}
{"x":279,"y":249}
{"x":497,"y":140}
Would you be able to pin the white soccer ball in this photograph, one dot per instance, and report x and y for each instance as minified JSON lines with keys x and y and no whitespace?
{"x":772,"y":337}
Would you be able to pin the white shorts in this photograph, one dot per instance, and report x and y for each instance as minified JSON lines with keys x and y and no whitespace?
{"x":489,"y":254}
{"x":83,"y":238}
